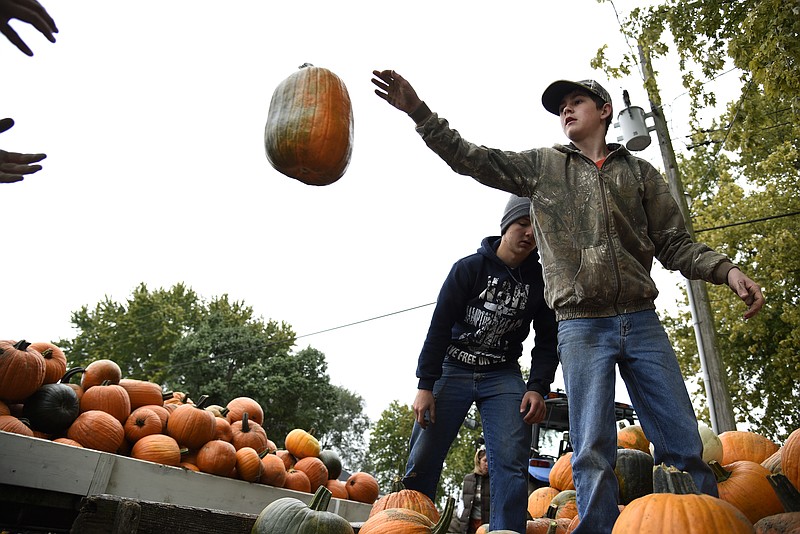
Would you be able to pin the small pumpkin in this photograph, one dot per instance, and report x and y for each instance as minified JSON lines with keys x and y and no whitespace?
{"x":401,"y":497}
{"x":301,"y":443}
{"x":273,"y":472}
{"x":362,"y":487}
{"x":634,"y":471}
{"x":742,"y":445}
{"x":224,"y":430}
{"x":403,"y":520}
{"x":546,"y":525}
{"x":297,"y":480}
{"x":55,"y":362}
{"x":22,"y":371}
{"x":236,"y":409}
{"x":790,"y":458}
{"x":97,"y":430}
{"x":332,"y":462}
{"x":565,"y":504}
{"x":315,"y":469}
{"x":191,"y":425}
{"x":108,"y":397}
{"x":142,"y":392}
{"x":100,"y":371}
{"x":52,"y":408}
{"x":309,"y":130}
{"x":248,"y":464}
{"x":632,"y":437}
{"x":157,"y":448}
{"x":140,"y":423}
{"x":9,"y":423}
{"x":561,"y":473}
{"x":288,"y":459}
{"x":744,"y":484}
{"x":288,"y":514}
{"x":337,"y":488}
{"x":246,"y":433}
{"x":216,"y":457}
{"x":162,"y":413}
{"x":539,"y":500}
{"x":67,"y":441}
{"x":712,"y":445}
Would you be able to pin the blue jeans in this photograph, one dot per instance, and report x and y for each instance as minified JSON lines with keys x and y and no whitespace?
{"x":589,"y":349}
{"x":498,"y":395}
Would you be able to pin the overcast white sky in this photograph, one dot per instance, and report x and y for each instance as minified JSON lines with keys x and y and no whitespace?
{"x":152,"y":117}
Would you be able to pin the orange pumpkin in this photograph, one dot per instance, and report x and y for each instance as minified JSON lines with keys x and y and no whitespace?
{"x":337,"y":488}
{"x":744,"y":484}
{"x":539,"y":500}
{"x":110,"y":398}
{"x":297,"y":480}
{"x":273,"y":471}
{"x":97,"y":430}
{"x":238,"y":406}
{"x":224,"y":430}
{"x":246,"y":433}
{"x":741,"y":445}
{"x":157,"y":448}
{"x":565,"y":504}
{"x":9,"y":423}
{"x":22,"y":370}
{"x":67,"y":441}
{"x":288,"y":459}
{"x":216,"y":457}
{"x":191,"y":425}
{"x":309,"y":131}
{"x":55,"y":361}
{"x":162,"y":413}
{"x":632,"y":437}
{"x":248,"y":464}
{"x":561,"y":473}
{"x":362,"y":487}
{"x":790,"y":458}
{"x":546,"y":525}
{"x":99,"y":371}
{"x":400,"y":497}
{"x":140,"y":423}
{"x":301,"y":444}
{"x":142,"y":392}
{"x":315,"y":469}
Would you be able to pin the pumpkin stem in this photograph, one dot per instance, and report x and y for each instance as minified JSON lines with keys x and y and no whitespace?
{"x":552,"y":528}
{"x":304,"y":65}
{"x":70,"y":373}
{"x":552,"y":510}
{"x":22,"y":345}
{"x":673,"y":480}
{"x":720,"y":472}
{"x":245,"y":423}
{"x":167,"y":395}
{"x":444,"y":521}
{"x":201,"y":402}
{"x":397,"y":485}
{"x":321,"y":499}
{"x":787,"y":493}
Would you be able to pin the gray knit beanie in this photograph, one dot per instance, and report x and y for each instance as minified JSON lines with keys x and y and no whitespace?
{"x":516,"y":208}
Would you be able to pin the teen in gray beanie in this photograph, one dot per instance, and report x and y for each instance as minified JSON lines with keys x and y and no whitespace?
{"x":516,"y":208}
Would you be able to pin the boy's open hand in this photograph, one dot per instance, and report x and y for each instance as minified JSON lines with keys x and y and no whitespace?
{"x":395,"y":90}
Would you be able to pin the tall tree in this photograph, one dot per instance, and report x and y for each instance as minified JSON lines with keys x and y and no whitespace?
{"x":742,"y":176}
{"x":138,"y":334}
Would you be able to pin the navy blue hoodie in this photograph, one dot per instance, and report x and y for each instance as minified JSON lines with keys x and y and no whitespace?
{"x":483,"y":314}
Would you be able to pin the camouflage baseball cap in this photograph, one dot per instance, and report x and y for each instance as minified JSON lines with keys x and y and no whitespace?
{"x":556,"y":91}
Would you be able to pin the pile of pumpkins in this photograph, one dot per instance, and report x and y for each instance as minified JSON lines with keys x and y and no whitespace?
{"x":756,"y":479}
{"x":135,"y":418}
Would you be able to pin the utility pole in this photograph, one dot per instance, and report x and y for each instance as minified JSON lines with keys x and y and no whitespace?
{"x":717,"y":393}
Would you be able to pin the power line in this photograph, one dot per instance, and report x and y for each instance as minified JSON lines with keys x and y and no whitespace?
{"x":367,"y":320}
{"x":761,"y":219}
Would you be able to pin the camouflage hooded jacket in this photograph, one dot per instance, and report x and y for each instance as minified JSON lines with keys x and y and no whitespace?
{"x":597,"y":229}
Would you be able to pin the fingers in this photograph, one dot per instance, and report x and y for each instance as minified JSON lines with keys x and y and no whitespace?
{"x":6,"y":124}
{"x":752,"y":296}
{"x":15,"y":39}
{"x":7,"y":158}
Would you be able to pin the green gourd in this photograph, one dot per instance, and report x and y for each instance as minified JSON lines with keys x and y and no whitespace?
{"x":288,"y":515}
